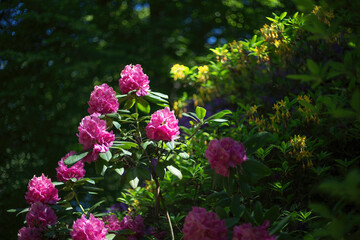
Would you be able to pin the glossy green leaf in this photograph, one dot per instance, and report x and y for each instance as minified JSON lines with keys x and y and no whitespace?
{"x":175,"y":171}
{"x":200,"y":112}
{"x":75,"y":158}
{"x":106,"y":155}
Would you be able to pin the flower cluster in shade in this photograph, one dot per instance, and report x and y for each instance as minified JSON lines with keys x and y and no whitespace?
{"x":248,"y":232}
{"x":203,"y":225}
{"x":93,"y":135}
{"x":29,"y":233}
{"x":65,"y":173}
{"x":41,"y":189}
{"x":40,"y":216}
{"x":133,"y":78}
{"x":135,"y":224}
{"x":88,"y":229}
{"x":103,"y":100}
{"x":225,"y":153}
{"x":163,"y":126}
{"x":112,"y":223}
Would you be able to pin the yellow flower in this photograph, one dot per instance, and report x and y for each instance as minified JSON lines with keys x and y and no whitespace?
{"x":178,"y":71}
{"x":203,"y":69}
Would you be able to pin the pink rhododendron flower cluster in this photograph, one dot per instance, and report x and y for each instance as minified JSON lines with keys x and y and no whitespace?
{"x":88,"y":229}
{"x":225,"y":153}
{"x":28,"y":233}
{"x":203,"y":225}
{"x":41,"y":189}
{"x":40,"y":216}
{"x":248,"y":232}
{"x":163,"y":126}
{"x":133,"y":78}
{"x":135,"y":224}
{"x":93,"y":134}
{"x":112,"y":223}
{"x":65,"y":173}
{"x":103,"y":100}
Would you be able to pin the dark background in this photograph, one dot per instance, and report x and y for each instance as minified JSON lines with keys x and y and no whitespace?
{"x":52,"y":53}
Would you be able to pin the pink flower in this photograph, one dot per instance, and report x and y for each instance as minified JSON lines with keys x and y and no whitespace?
{"x":88,"y":229}
{"x":133,"y":78}
{"x":75,"y":171}
{"x":225,"y":153}
{"x":103,"y":100}
{"x":112,"y":223}
{"x":40,"y":216}
{"x":93,"y":134}
{"x":28,"y":233}
{"x":248,"y":232}
{"x":135,"y":224}
{"x":41,"y":189}
{"x":163,"y":125}
{"x":203,"y":225}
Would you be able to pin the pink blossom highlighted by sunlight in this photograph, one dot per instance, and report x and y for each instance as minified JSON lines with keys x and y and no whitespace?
{"x":41,"y":189}
{"x":133,"y":78}
{"x":225,"y":153}
{"x":203,"y":225}
{"x":163,"y":126}
{"x":93,"y":136}
{"x":103,"y":100}
{"x":88,"y":229}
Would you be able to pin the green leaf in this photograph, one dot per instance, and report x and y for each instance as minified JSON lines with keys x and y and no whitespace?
{"x":110,"y":236}
{"x":75,"y":158}
{"x":257,"y":141}
{"x":95,"y":205}
{"x":170,"y":145}
{"x":200,"y":112}
{"x":132,"y":176}
{"x":161,"y":95}
{"x":321,"y":209}
{"x":120,"y":171}
{"x":313,"y":67}
{"x":143,"y":105}
{"x":304,"y":77}
{"x":117,"y":125}
{"x":219,"y":115}
{"x":156,"y":99}
{"x":271,"y":19}
{"x":257,"y":167}
{"x":304,"y":5}
{"x":272,"y":214}
{"x":230,"y":222}
{"x":175,"y":171}
{"x":235,"y":206}
{"x":258,"y":212}
{"x":23,"y":211}
{"x":106,"y":155}
{"x":283,"y":15}
{"x":184,"y":155}
{"x":280,"y":225}
{"x":129,"y":103}
{"x":134,"y":182}
{"x":124,"y":145}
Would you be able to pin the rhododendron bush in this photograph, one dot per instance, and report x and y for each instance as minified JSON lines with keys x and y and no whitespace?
{"x":144,"y":149}
{"x":145,"y":169}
